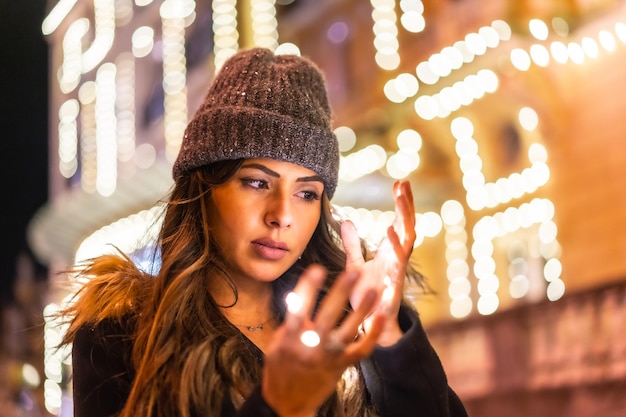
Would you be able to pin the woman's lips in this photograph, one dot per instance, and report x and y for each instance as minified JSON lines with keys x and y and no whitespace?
{"x":270,"y":249}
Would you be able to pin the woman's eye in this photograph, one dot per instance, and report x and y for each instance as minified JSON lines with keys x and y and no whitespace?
{"x":254,"y":183}
{"x":309,"y":195}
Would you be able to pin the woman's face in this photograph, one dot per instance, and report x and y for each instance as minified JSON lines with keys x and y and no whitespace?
{"x":264,"y":216}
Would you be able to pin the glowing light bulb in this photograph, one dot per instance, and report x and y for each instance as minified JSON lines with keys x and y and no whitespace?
{"x":294,"y":303}
{"x":310,"y":338}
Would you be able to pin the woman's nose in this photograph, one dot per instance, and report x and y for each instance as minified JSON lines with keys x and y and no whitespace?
{"x":279,"y":211}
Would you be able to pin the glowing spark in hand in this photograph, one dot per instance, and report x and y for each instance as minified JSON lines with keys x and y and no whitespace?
{"x":294,"y":303}
{"x":389,"y":291}
{"x":310,"y":338}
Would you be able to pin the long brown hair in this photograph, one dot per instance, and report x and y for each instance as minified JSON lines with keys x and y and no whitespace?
{"x":189,"y":359}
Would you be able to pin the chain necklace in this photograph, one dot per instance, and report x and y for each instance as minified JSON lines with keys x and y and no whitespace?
{"x":256,"y":328}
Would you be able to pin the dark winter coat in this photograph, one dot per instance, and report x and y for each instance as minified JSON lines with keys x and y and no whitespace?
{"x":406,"y":379}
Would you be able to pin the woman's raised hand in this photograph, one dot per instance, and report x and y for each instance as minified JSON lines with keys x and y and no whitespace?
{"x":386,"y":272}
{"x":308,"y":355}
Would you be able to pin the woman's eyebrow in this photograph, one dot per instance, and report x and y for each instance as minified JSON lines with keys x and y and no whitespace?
{"x":273,"y":173}
{"x":309,"y":179}
{"x":262,"y":168}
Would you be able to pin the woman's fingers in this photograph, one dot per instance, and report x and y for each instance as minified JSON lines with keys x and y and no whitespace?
{"x":348,"y":329}
{"x":301,"y":301}
{"x":366,"y":342}
{"x":351,"y":244}
{"x":343,"y":344}
{"x":405,"y":209}
{"x":334,"y":305}
{"x":334,"y":328}
{"x":402,"y":235}
{"x":404,"y":188}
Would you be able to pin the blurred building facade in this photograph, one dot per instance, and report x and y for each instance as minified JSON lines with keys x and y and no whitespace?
{"x":507,"y":117}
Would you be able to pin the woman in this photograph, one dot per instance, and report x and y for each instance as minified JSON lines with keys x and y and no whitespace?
{"x":263,"y":304}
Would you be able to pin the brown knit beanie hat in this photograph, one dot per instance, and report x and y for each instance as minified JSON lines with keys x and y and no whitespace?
{"x":262,"y":105}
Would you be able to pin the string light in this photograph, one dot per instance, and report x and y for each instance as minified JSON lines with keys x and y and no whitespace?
{"x":310,"y":338}
{"x":294,"y":302}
